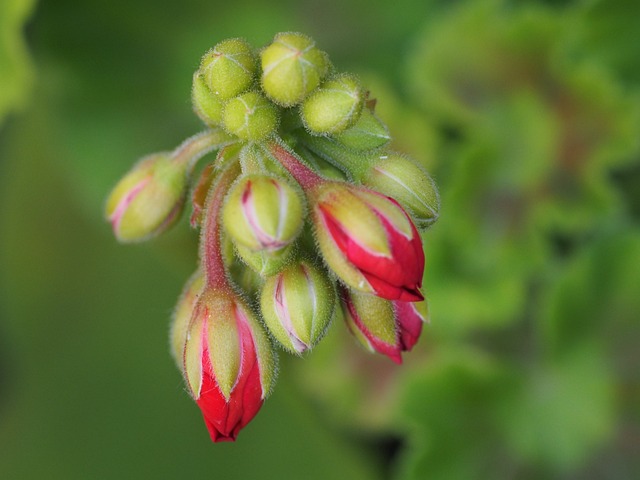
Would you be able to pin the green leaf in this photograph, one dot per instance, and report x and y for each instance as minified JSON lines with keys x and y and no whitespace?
{"x":562,"y":409}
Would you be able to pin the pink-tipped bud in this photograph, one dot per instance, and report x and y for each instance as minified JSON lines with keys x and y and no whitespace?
{"x":228,"y":363}
{"x":369,"y":241}
{"x":263,"y":213}
{"x":148,"y":199}
{"x":381,"y":326}
{"x":297,"y":306}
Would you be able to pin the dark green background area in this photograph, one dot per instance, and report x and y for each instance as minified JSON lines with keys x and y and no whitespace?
{"x":527,"y":114}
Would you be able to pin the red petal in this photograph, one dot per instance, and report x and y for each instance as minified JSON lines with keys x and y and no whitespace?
{"x":409,"y":324}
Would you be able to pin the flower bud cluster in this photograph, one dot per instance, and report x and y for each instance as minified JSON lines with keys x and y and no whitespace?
{"x":304,"y":212}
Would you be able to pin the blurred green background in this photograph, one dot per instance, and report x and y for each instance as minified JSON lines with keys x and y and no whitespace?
{"x":526,"y":113}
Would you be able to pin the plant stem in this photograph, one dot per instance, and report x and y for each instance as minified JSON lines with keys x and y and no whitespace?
{"x":194,"y":148}
{"x":306,"y":177}
{"x":210,"y":241}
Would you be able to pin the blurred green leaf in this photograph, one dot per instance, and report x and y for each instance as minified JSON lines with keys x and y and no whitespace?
{"x":16,"y":70}
{"x":446,"y":412}
{"x":562,"y":409}
{"x":610,"y":29}
{"x":596,"y":296}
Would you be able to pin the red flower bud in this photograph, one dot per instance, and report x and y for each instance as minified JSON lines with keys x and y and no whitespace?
{"x":369,"y":241}
{"x":228,"y":363}
{"x":381,"y":326}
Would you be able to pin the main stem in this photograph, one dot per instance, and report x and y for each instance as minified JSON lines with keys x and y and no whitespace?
{"x":194,"y":148}
{"x":210,"y":241}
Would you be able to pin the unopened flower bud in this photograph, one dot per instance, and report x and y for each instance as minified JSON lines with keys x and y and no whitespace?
{"x":264,"y":262}
{"x":206,"y":104}
{"x":263,"y":213}
{"x":367,"y":133}
{"x":334,"y":107}
{"x":228,"y":363}
{"x":369,"y":241}
{"x":372,"y":322}
{"x":148,"y":199}
{"x":297,"y":306}
{"x":382,"y":326}
{"x":229,"y":68}
{"x":182,"y":315}
{"x":403,"y":180}
{"x":250,"y":116}
{"x":292,"y":67}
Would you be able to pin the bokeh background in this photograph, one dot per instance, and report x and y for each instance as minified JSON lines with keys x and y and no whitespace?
{"x":527,"y":115}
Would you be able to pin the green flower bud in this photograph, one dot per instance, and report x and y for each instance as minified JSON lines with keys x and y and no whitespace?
{"x":367,"y":133}
{"x":297,"y":306}
{"x":148,"y":199}
{"x":334,"y":107}
{"x":228,"y":69}
{"x":403,"y":180}
{"x":292,"y":67}
{"x":250,"y":116}
{"x":206,"y":104}
{"x":182,"y":315}
{"x":264,"y":262}
{"x":263,"y":213}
